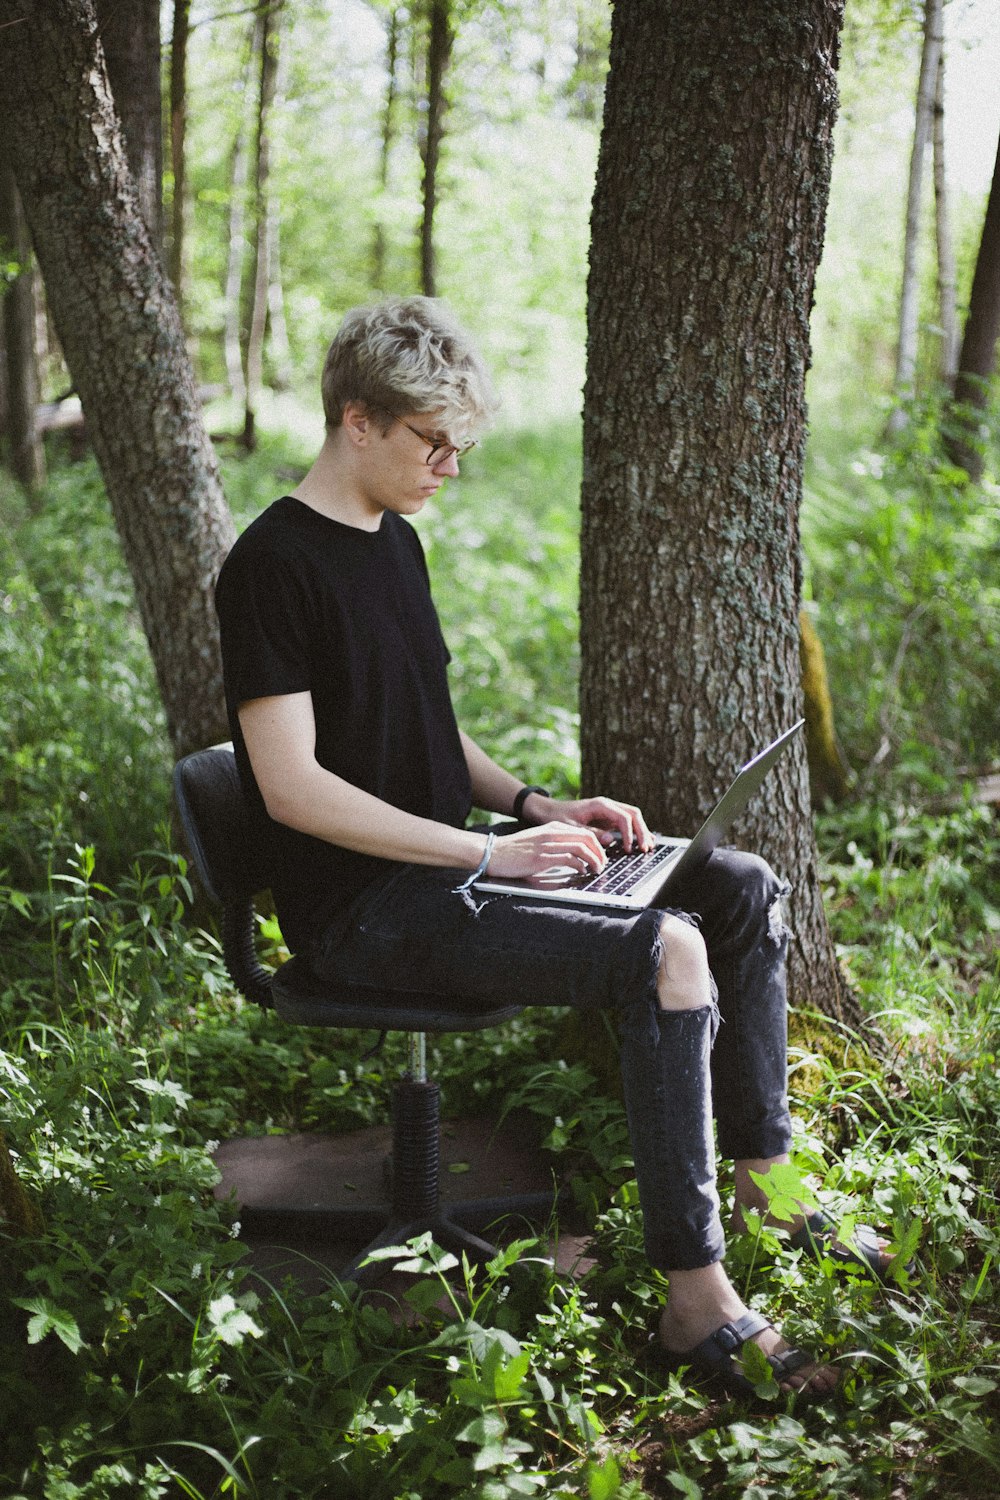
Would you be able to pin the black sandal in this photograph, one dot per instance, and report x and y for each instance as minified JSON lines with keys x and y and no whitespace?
{"x":817,"y":1238}
{"x":714,"y":1358}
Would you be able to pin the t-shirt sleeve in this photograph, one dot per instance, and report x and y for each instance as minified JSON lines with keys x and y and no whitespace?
{"x":264,"y":624}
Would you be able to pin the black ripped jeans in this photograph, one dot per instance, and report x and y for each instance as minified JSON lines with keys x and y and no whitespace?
{"x":411,"y":931}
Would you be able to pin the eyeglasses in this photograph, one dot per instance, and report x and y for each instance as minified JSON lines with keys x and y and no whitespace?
{"x":440,"y":452}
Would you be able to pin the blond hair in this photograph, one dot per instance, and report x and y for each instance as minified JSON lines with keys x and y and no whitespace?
{"x":405,"y":355}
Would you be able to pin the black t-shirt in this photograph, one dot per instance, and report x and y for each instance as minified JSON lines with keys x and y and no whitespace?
{"x":306,"y":603}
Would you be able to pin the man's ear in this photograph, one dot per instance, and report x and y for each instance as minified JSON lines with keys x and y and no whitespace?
{"x":357,"y":423}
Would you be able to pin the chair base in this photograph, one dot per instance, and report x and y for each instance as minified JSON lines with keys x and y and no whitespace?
{"x":454,"y":1227}
{"x":367,"y":1188}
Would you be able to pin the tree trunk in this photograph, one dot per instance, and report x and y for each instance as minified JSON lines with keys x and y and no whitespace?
{"x":27,"y":456}
{"x":268,"y":37}
{"x":237,"y":243}
{"x":947,"y":314}
{"x":19,"y":1214}
{"x":178,"y":144}
{"x":909,"y":296}
{"x":440,"y":40}
{"x":977,"y":360}
{"x":707,"y":228}
{"x":379,"y":248}
{"x":117,"y":322}
{"x":130,"y":36}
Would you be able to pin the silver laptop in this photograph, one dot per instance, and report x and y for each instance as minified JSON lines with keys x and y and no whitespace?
{"x":634,"y":881}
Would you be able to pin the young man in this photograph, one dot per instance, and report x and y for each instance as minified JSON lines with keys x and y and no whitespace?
{"x":345,"y":736}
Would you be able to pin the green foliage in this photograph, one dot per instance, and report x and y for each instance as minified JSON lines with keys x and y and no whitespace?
{"x":902,"y":566}
{"x":80,"y":713}
{"x":170,"y":1366}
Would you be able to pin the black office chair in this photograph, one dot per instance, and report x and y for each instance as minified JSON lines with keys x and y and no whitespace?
{"x":228,"y":854}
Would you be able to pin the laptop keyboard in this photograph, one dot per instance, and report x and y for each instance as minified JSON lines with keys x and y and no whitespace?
{"x":623,"y":872}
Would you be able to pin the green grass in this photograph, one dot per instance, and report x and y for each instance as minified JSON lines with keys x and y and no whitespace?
{"x":141,"y":1357}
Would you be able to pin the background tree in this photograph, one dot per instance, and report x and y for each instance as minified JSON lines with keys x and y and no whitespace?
{"x":707,"y":228}
{"x":178,"y":143}
{"x":389,"y":131}
{"x":130,"y":36}
{"x":909,"y":295}
{"x":946,"y":276}
{"x":27,"y":457}
{"x":440,"y":41}
{"x":121,"y":335}
{"x":268,"y":34}
{"x":977,"y":360}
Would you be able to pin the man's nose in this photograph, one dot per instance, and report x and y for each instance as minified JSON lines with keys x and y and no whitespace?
{"x":448,"y":467}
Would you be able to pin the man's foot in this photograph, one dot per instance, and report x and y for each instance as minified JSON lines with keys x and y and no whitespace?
{"x":707,"y":1335}
{"x":717,"y":1356}
{"x":813,"y":1232}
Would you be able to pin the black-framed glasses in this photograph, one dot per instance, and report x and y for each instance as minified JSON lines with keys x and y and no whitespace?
{"x":440,"y":452}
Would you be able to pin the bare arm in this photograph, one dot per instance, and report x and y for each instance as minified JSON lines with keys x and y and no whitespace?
{"x":280,"y":735}
{"x":494,"y":789}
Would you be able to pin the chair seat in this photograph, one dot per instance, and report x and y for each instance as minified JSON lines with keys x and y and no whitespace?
{"x":301,"y":998}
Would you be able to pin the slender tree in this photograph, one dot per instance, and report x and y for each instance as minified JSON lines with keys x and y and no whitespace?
{"x":389,"y":113}
{"x":117,"y":321}
{"x":440,"y":41}
{"x":977,"y":360}
{"x":909,"y":295}
{"x":268,"y":37}
{"x":947,"y":311}
{"x":27,"y":456}
{"x":130,"y":36}
{"x":236,"y":253}
{"x":707,"y":228}
{"x":178,"y":143}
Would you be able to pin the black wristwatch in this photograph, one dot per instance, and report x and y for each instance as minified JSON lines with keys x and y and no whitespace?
{"x":523,"y":796}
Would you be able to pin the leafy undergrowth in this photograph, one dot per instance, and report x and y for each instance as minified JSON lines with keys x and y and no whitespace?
{"x":142,"y":1356}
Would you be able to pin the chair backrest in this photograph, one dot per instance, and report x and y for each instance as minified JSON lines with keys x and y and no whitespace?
{"x":227,"y":843}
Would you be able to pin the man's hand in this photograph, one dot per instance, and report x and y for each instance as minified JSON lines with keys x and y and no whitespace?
{"x":546,"y":850}
{"x":608,"y":817}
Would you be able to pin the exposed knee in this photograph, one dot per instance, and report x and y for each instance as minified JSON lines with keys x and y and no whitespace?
{"x":683,"y":981}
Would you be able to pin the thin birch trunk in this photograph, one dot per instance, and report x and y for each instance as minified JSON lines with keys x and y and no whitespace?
{"x":909,"y":297}
{"x":947,"y":311}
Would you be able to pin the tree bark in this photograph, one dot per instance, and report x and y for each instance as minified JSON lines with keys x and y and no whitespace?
{"x":268,"y":39}
{"x":909,"y":296}
{"x":27,"y":456}
{"x":707,"y":228}
{"x":130,"y":36}
{"x":237,"y":243}
{"x":118,"y":324}
{"x":19,"y":1214}
{"x":178,"y":144}
{"x":977,"y":360}
{"x":379,"y":248}
{"x":440,"y":40}
{"x":947,"y":312}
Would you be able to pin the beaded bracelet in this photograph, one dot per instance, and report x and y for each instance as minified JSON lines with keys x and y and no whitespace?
{"x":491,"y":839}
